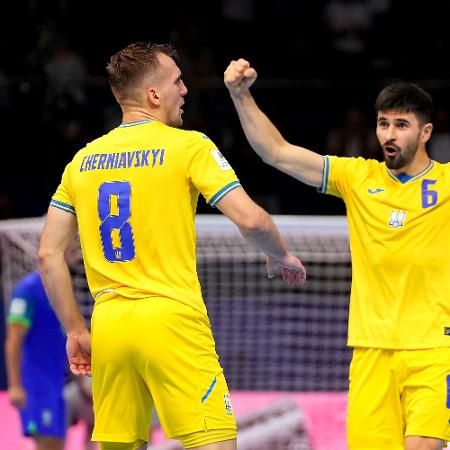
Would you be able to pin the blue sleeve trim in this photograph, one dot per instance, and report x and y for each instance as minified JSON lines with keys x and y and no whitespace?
{"x":19,"y":320}
{"x":208,"y":392}
{"x":325,"y":174}
{"x":224,"y":191}
{"x":63,"y":207}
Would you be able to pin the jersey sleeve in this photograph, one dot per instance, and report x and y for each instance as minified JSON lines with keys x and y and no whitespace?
{"x":22,"y":306}
{"x":339,"y":174}
{"x":62,"y":198}
{"x":210,"y":172}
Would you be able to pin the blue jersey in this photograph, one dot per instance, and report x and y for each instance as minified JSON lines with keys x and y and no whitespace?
{"x":44,"y":361}
{"x":44,"y":350}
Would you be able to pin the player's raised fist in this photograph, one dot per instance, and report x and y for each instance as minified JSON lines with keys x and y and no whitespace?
{"x":239,"y":76}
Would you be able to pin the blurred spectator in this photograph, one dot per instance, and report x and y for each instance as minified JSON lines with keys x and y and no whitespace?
{"x":354,"y":137}
{"x":439,"y":146}
{"x":66,"y":72}
{"x":348,"y":23}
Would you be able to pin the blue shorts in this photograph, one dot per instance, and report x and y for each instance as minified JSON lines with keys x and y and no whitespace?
{"x":44,"y":414}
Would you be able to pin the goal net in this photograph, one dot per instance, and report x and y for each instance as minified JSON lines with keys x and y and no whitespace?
{"x":269,"y":336}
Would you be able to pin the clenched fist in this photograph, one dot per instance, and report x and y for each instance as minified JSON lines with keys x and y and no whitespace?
{"x":239,"y":76}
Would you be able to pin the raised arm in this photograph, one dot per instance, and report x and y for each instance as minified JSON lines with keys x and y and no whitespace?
{"x":257,"y":227}
{"x":261,"y":133}
{"x":59,"y":231}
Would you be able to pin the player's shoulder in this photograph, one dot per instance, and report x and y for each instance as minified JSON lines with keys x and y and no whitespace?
{"x":187,"y":135}
{"x":32,"y":278}
{"x":441,"y":168}
{"x":357,"y":163}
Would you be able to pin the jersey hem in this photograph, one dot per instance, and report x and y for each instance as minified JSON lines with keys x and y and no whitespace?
{"x":178,"y":434}
{"x":118,"y":438}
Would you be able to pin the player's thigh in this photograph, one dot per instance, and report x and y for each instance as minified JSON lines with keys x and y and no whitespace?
{"x":184,"y":375}
{"x":224,"y":445}
{"x":374,"y":419}
{"x":221,"y":439}
{"x":117,"y":385}
{"x":426,"y":393}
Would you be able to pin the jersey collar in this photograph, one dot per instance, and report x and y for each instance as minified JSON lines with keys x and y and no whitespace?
{"x":402,"y":178}
{"x":132,"y":124}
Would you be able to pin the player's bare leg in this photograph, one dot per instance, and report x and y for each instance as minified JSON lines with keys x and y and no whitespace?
{"x":423,"y":443}
{"x":48,"y":443}
{"x":223,"y":445}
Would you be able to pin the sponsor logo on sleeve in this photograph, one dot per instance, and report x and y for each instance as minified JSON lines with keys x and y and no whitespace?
{"x":220,"y":160}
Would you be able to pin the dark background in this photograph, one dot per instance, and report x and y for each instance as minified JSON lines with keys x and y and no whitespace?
{"x":320,"y":63}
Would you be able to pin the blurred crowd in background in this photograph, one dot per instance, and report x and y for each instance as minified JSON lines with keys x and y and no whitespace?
{"x":321,"y":64}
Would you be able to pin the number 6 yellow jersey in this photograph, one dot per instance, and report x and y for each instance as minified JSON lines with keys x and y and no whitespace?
{"x":400,"y":246}
{"x":134,"y":192}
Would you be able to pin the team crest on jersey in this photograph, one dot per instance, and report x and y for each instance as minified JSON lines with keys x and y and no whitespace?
{"x":228,"y":406}
{"x":220,"y":160}
{"x":397,"y":218}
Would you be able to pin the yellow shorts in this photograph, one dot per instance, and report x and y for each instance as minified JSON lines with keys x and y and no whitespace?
{"x":157,"y":352}
{"x":397,"y":393}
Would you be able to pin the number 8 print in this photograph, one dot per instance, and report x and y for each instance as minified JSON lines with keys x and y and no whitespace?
{"x":114,"y":210}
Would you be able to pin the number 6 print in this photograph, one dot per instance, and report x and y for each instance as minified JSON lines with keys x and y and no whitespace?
{"x":429,"y":196}
{"x":114,"y":210}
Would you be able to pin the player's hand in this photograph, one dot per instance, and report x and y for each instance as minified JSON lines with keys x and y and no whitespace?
{"x":239,"y":76}
{"x":79,"y":352}
{"x":290,"y":268}
{"x":17,"y":396}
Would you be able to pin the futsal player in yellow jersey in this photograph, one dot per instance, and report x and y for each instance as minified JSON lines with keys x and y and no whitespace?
{"x":132,"y":194}
{"x":398,"y":215}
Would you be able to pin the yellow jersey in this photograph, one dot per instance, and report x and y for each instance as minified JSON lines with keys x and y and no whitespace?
{"x":400,"y":245}
{"x":134,"y":192}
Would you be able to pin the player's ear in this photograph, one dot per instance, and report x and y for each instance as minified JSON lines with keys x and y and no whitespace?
{"x":153,"y":96}
{"x":426,"y":131}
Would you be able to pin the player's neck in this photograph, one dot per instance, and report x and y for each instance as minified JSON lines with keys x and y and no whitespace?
{"x":137,"y":116}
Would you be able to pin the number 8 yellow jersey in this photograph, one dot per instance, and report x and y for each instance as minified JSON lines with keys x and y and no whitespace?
{"x":134,"y":192}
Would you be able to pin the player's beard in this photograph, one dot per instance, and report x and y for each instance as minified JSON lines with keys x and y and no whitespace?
{"x":402,"y":157}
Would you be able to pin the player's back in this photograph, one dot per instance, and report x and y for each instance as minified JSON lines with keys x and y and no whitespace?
{"x":134,"y":193}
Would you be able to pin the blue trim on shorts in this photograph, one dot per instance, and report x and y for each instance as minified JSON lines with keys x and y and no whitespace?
{"x":209,"y":390}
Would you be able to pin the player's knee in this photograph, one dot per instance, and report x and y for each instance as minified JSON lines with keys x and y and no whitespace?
{"x":223,"y":439}
{"x":136,"y":445}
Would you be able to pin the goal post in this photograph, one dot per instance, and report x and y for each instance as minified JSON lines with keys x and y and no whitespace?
{"x":269,"y":336}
